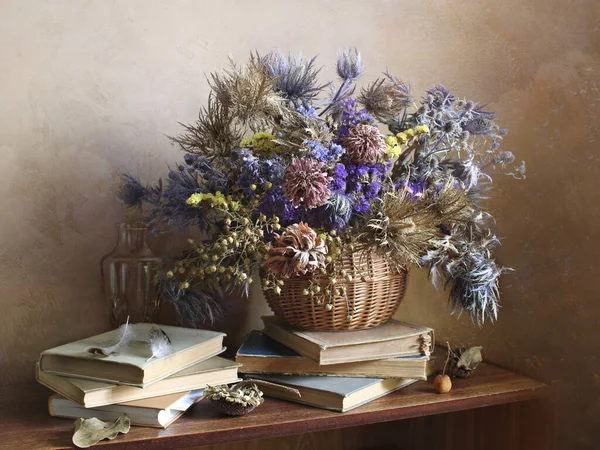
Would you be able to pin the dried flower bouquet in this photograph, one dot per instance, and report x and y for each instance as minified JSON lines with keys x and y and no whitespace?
{"x":281,"y":177}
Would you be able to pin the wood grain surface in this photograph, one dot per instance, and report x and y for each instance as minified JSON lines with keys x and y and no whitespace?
{"x":26,"y":424}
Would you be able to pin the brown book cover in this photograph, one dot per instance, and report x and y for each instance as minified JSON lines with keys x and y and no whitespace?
{"x":390,"y":340}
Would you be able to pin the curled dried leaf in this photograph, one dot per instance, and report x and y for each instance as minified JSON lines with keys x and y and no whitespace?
{"x":89,"y":432}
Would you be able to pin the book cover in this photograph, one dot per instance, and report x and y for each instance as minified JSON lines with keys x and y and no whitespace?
{"x":155,"y":412}
{"x":132,"y":364}
{"x":89,"y":393}
{"x":390,"y":340}
{"x":262,"y":354}
{"x":334,"y":393}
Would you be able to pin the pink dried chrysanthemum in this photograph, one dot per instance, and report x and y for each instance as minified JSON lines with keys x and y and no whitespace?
{"x":298,"y":251}
{"x":306,"y":182}
{"x":364,"y":144}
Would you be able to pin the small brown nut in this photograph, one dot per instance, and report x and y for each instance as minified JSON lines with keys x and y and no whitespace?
{"x":442,"y":384}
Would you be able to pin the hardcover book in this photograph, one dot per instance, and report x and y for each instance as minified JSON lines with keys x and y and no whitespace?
{"x":157,"y":412}
{"x":390,"y":340}
{"x":262,"y":354}
{"x":90,"y":394}
{"x":132,"y":364}
{"x":335,"y":393}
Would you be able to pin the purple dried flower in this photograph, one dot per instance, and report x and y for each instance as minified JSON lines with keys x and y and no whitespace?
{"x":361,"y":205}
{"x":339,"y":178}
{"x":351,"y":117}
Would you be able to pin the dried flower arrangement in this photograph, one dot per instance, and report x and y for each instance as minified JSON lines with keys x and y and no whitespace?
{"x":281,"y":179}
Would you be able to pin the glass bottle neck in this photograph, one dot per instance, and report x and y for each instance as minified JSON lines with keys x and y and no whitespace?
{"x":137,"y":240}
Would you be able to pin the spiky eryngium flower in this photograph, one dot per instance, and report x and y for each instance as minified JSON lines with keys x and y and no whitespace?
{"x":350,"y":65}
{"x":339,"y":209}
{"x":196,"y":305}
{"x":133,"y":194}
{"x":306,"y":182}
{"x":385,"y":98}
{"x":400,"y":228}
{"x":364,"y":144}
{"x":295,"y":79}
{"x":298,"y":251}
{"x":215,"y":133}
{"x":247,"y":92}
{"x":463,"y":258}
{"x":474,"y":279}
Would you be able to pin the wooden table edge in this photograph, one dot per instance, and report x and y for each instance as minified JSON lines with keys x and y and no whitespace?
{"x":262,"y":431}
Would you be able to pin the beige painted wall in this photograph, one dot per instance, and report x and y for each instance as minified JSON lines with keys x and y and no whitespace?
{"x":89,"y":88}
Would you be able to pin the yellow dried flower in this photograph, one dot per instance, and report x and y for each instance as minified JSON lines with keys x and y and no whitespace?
{"x":391,"y":140}
{"x":402,"y":137}
{"x":422,"y":129}
{"x":393,"y":151}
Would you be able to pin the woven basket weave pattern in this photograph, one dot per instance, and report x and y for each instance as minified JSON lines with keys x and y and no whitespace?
{"x":370,"y":303}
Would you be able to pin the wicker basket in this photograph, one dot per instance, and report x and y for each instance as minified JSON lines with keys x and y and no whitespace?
{"x":367,"y":303}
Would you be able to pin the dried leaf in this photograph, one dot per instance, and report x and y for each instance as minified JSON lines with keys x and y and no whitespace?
{"x":462,"y":360}
{"x":470,"y":358}
{"x":89,"y":432}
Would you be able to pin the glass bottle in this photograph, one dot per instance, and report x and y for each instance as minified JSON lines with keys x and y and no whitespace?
{"x":128,"y":277}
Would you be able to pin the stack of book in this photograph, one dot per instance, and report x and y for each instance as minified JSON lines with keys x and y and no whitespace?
{"x":152,"y":391}
{"x":337,"y":370}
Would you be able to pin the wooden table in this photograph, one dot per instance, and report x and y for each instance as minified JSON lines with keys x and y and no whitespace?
{"x":25,"y":424}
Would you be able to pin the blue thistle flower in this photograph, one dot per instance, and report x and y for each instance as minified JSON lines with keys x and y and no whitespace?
{"x":350,"y":65}
{"x":297,"y":80}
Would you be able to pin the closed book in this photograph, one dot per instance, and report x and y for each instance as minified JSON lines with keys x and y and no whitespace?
{"x":157,"y":412}
{"x":91,"y":394}
{"x":390,"y":340}
{"x":335,"y":393}
{"x":262,"y":354}
{"x":132,"y":364}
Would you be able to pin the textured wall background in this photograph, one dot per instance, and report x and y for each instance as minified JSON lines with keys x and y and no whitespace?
{"x":89,"y":88}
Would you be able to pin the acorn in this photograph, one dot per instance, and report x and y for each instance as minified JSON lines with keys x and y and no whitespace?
{"x":442,"y":384}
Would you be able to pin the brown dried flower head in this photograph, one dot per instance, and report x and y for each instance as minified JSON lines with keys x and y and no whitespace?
{"x":306,"y":182}
{"x":364,"y":144}
{"x":385,"y":98}
{"x":298,"y":251}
